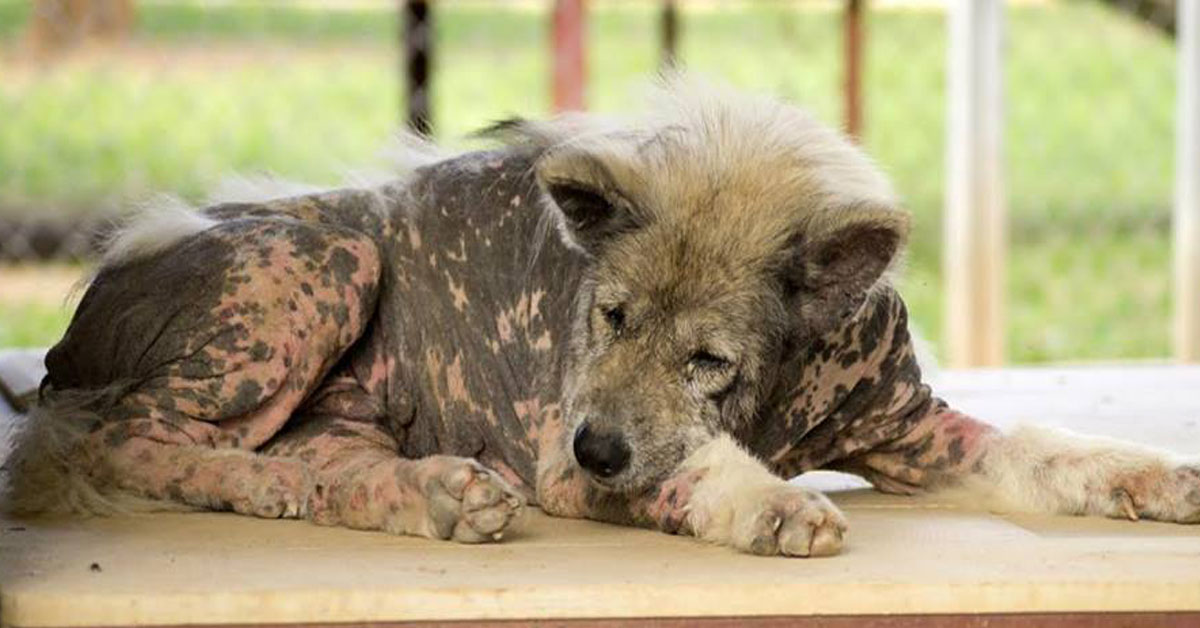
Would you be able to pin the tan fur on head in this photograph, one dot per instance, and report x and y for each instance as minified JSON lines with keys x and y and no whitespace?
{"x":703,"y":149}
{"x":725,"y":227}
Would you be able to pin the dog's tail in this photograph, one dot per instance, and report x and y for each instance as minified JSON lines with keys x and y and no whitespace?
{"x":51,"y":467}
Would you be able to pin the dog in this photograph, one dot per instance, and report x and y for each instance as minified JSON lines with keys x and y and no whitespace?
{"x":650,"y":320}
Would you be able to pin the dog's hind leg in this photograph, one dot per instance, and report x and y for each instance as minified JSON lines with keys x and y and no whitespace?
{"x":202,"y":351}
{"x":363,"y":483}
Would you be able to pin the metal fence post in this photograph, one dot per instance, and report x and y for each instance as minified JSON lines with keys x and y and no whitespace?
{"x":418,"y":47}
{"x":1186,"y":225}
{"x":669,"y":25}
{"x":975,"y":209}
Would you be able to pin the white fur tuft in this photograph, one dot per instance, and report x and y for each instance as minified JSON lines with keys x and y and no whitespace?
{"x":732,"y":478}
{"x":258,"y":189}
{"x":153,"y":228}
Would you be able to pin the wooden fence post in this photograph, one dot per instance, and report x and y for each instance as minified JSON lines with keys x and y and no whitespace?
{"x":974,"y":213}
{"x":418,"y":51}
{"x":1186,"y":225}
{"x":852,"y":44}
{"x":56,"y":26}
{"x":568,"y":54}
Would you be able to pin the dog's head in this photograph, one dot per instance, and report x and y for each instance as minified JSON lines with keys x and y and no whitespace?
{"x":722,"y":232}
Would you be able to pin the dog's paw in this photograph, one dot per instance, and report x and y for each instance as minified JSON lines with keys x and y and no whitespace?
{"x":1162,"y":494}
{"x":787,"y":520}
{"x":469,"y":503}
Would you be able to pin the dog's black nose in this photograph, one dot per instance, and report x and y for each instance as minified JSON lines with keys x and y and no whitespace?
{"x":605,"y":454}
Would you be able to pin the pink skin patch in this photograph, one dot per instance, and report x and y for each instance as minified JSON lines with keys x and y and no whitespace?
{"x":670,"y":507}
{"x":940,"y":449}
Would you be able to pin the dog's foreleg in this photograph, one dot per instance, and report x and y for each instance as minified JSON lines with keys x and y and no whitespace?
{"x":724,"y":495}
{"x":719,"y":493}
{"x":1035,"y":469}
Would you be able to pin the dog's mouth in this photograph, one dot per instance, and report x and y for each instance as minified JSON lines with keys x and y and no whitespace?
{"x":610,"y":485}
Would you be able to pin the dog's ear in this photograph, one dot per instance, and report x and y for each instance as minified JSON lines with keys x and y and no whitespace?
{"x":588,"y":202}
{"x":834,"y":263}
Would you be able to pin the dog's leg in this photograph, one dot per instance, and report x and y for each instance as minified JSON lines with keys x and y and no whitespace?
{"x":724,"y":495}
{"x":363,"y":483}
{"x":720,"y":493}
{"x":1034,"y":469}
{"x":202,"y":352}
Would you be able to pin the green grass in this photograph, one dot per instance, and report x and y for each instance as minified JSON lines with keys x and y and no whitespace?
{"x":208,"y":90}
{"x":31,"y":324}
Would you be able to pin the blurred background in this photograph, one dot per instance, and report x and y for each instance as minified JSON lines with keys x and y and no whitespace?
{"x":104,"y":104}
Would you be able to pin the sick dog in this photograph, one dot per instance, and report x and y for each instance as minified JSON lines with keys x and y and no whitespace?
{"x":652,"y":320}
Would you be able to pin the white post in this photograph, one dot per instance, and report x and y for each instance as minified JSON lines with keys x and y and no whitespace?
{"x":1187,"y":185}
{"x":974,"y":214}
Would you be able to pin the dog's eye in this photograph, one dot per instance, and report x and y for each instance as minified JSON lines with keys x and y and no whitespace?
{"x":705,"y":361}
{"x":615,"y":317}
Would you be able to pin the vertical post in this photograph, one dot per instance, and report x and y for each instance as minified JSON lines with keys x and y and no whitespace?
{"x":569,"y":60}
{"x":418,"y":47}
{"x":852,"y":44}
{"x":670,"y":35}
{"x":1187,"y":184}
{"x":975,"y":213}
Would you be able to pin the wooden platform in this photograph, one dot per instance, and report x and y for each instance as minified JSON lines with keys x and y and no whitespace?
{"x":909,"y":562}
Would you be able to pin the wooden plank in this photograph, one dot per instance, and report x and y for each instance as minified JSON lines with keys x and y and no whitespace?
{"x":909,"y":561}
{"x":975,"y":220}
{"x":904,"y":556}
{"x":852,"y":62}
{"x":986,"y":620}
{"x":569,"y":57}
{"x":1187,"y":186}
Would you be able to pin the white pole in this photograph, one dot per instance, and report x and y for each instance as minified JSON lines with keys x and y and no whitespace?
{"x":1187,"y":185}
{"x":974,"y":212}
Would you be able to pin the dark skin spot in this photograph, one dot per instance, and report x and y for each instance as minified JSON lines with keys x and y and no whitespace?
{"x":260,"y":351}
{"x":343,"y":265}
{"x":246,"y":397}
{"x":956,"y":452}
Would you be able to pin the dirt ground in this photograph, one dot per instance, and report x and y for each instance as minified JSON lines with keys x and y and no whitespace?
{"x":41,"y":284}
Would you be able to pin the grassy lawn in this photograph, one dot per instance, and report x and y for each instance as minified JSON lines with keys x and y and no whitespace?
{"x":208,"y":90}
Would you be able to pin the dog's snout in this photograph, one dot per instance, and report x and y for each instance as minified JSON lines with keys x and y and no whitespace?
{"x":603,"y":453}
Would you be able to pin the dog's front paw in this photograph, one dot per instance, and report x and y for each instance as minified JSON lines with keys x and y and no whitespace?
{"x":788,"y":520}
{"x":1162,"y":494}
